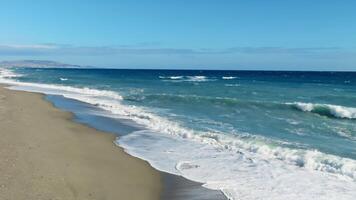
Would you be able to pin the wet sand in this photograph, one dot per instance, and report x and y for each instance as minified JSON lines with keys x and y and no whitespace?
{"x":179,"y":188}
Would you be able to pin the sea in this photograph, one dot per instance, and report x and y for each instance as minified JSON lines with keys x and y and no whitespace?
{"x":251,"y":134}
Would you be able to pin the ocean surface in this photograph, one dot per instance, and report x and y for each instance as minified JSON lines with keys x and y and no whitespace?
{"x":251,"y":134}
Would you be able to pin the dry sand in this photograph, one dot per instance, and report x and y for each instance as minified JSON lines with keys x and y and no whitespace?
{"x":44,"y":155}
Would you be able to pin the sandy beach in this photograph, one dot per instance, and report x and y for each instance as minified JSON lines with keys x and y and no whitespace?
{"x":44,"y":155}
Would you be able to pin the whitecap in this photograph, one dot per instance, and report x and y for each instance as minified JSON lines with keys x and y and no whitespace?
{"x":329,"y":110}
{"x":197,"y":78}
{"x":171,"y":77}
{"x":229,"y":77}
{"x":6,"y":73}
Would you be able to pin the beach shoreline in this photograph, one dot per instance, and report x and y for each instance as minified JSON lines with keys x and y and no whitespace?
{"x":35,"y":110}
{"x":45,"y":155}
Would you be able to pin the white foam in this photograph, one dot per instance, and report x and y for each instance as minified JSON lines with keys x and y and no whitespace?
{"x":229,"y":77}
{"x":171,"y":77}
{"x":6,"y":74}
{"x":239,"y":174}
{"x":197,"y":78}
{"x":63,"y":79}
{"x":334,"y":110}
{"x":186,"y":78}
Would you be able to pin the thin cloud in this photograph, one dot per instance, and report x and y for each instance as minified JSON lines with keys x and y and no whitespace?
{"x":280,"y":50}
{"x":33,"y":46}
{"x":144,"y":49}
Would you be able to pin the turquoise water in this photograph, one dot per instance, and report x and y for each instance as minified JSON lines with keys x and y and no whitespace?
{"x":220,"y":126}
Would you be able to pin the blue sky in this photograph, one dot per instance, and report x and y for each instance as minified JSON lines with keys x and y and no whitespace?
{"x":204,"y":34}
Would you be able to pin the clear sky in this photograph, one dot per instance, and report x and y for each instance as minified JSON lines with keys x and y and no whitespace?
{"x":204,"y":34}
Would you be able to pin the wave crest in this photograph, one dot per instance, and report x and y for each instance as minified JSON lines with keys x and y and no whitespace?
{"x":6,"y":74}
{"x":228,"y":77}
{"x":329,"y":110}
{"x":186,"y":78}
{"x":171,"y":77}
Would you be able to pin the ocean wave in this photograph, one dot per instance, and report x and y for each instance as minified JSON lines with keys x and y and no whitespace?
{"x":196,"y":78}
{"x":171,"y":77}
{"x":63,"y":79}
{"x":186,"y":78}
{"x":6,"y":73}
{"x":329,"y":110}
{"x":238,"y":104}
{"x":228,"y":77}
{"x":66,"y":91}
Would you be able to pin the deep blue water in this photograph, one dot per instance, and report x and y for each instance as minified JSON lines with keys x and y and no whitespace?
{"x":302,"y":119}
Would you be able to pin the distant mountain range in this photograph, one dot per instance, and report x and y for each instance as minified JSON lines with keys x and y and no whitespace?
{"x":36,"y":63}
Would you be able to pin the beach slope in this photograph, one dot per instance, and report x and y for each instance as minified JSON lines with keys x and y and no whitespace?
{"x":44,"y":155}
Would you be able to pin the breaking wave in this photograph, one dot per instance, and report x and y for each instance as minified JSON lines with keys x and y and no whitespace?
{"x":229,"y":77}
{"x":171,"y":77}
{"x":8,"y":74}
{"x":186,"y":78}
{"x":328,"y":110}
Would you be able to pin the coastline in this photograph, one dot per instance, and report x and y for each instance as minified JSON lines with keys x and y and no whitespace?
{"x":129,"y":177}
{"x":45,"y":155}
{"x":173,"y":187}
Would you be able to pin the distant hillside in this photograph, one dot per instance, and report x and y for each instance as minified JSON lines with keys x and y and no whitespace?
{"x":35,"y":63}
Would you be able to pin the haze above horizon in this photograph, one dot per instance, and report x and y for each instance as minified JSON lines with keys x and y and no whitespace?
{"x":211,"y":34}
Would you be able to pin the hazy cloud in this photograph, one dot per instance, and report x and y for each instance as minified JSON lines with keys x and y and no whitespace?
{"x":281,"y":50}
{"x":146,"y":48}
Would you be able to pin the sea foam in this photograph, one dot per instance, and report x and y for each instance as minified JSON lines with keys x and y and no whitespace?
{"x":239,"y":173}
